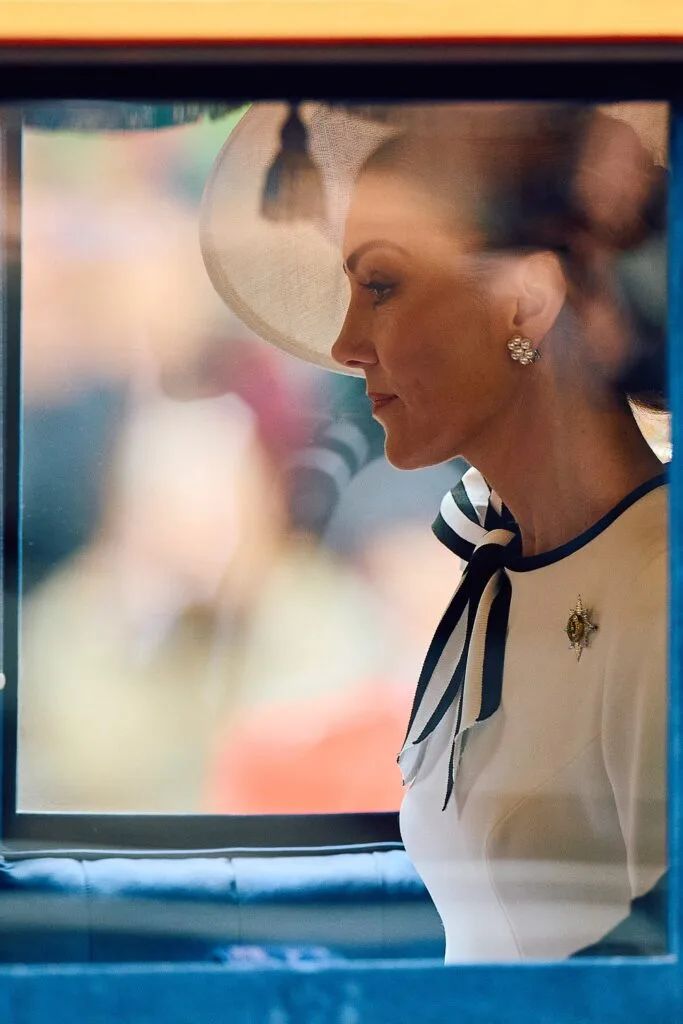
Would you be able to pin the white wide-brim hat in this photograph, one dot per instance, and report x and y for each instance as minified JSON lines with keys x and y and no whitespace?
{"x":284,"y":278}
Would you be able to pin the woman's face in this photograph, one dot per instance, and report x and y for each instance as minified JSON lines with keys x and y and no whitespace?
{"x":427,"y":323}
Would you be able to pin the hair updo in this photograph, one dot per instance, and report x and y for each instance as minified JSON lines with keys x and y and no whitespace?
{"x":569,"y":179}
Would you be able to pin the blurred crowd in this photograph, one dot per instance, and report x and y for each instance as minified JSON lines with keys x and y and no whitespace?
{"x":226,"y":590}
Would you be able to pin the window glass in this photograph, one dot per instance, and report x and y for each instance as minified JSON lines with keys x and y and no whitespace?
{"x":229,"y":580}
{"x":227,"y":591}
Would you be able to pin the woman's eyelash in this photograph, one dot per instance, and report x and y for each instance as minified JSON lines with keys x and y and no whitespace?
{"x":379,"y":289}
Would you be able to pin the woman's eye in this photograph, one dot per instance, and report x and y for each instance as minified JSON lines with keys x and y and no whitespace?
{"x":380,"y":290}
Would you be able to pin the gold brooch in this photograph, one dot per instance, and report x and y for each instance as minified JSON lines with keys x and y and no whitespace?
{"x":579,"y":628}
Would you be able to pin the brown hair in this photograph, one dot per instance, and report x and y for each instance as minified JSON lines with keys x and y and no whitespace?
{"x":566,"y":178}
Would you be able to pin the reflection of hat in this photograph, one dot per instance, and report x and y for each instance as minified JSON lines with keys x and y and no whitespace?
{"x":284,"y":279}
{"x":282,"y":274}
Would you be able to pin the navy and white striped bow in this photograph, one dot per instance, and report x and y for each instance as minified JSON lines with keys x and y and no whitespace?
{"x":462,"y":676}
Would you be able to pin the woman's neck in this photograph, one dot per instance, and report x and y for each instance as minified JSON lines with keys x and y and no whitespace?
{"x":561,"y":462}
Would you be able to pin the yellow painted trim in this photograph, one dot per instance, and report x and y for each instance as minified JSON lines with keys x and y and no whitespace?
{"x":167,"y":20}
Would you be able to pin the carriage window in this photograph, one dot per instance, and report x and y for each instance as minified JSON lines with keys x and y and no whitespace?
{"x":226,"y":590}
{"x":229,"y":584}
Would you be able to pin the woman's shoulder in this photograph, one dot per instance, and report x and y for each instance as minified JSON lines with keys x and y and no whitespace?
{"x":630,"y":543}
{"x":644,"y":535}
{"x":638,"y":587}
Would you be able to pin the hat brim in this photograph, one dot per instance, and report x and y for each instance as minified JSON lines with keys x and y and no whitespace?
{"x":285,"y":280}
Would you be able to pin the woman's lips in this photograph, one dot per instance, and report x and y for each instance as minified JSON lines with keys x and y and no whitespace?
{"x":378,"y":401}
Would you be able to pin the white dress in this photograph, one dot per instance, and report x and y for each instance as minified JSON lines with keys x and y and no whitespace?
{"x":557,"y":818}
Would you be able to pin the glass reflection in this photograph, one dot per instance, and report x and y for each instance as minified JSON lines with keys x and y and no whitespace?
{"x":228,"y":591}
{"x":210,"y":606}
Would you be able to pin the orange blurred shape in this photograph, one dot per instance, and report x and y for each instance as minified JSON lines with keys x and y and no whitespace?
{"x":335,"y":753}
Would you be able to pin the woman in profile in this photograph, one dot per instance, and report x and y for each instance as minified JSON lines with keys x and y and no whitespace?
{"x":493,"y":272}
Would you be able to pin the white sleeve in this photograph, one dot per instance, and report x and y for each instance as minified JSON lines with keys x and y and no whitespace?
{"x":634,"y":724}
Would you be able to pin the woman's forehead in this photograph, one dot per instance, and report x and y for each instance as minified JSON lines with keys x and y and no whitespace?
{"x":386,"y":206}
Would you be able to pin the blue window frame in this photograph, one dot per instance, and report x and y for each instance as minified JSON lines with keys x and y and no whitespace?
{"x":613,"y":990}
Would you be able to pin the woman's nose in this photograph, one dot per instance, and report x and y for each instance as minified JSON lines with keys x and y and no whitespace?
{"x":353,"y":348}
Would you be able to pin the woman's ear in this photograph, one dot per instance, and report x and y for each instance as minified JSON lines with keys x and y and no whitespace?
{"x":541,"y":289}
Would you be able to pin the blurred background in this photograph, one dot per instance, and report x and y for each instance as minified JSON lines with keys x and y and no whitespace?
{"x":227,"y":592}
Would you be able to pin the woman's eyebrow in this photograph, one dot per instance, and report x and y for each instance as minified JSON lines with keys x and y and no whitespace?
{"x":375,"y":243}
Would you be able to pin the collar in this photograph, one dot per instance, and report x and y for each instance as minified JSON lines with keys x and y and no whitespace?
{"x":462,"y":677}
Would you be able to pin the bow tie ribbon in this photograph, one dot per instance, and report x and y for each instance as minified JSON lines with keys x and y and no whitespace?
{"x":462,"y":676}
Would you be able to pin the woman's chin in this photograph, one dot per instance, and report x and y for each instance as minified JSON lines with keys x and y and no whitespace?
{"x":404,"y":457}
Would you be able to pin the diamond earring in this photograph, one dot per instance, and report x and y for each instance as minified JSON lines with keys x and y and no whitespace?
{"x":522,"y":350}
